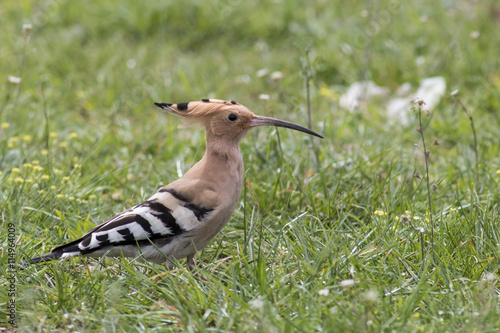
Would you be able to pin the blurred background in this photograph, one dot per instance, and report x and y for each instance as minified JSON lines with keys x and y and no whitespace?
{"x":114,"y":58}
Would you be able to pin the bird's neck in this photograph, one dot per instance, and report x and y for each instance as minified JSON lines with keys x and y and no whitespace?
{"x":222,"y":148}
{"x":223,"y":153}
{"x":222,"y":161}
{"x":217,"y":177}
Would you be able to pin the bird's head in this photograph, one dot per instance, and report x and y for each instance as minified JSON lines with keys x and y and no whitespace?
{"x":225,"y":119}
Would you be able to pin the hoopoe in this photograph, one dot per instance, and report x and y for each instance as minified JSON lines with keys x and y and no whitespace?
{"x":185,"y":215}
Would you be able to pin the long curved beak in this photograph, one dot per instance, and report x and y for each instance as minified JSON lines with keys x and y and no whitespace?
{"x":266,"y":121}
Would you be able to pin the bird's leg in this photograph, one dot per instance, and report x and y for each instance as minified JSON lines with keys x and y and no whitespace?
{"x":190,"y":262}
{"x":169,"y":265}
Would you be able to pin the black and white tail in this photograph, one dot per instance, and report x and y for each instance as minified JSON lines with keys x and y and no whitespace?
{"x":64,"y":251}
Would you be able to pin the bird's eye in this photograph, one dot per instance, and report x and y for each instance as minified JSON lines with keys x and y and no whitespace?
{"x":232,"y":117}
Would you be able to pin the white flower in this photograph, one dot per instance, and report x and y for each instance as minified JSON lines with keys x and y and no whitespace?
{"x":370,"y":295}
{"x":14,"y":79}
{"x":257,"y":303}
{"x":264,"y":97}
{"x":262,"y":72}
{"x":347,"y":283}
{"x":27,"y":27}
{"x":489,"y":277}
{"x":244,"y":78}
{"x":275,"y":76}
{"x":131,"y":63}
{"x":324,"y":292}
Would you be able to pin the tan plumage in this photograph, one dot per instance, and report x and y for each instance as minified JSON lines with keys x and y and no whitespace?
{"x":183,"y":216}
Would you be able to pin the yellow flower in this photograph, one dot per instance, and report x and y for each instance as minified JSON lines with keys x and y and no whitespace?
{"x":35,"y":162}
{"x":41,"y":192}
{"x":60,"y":196}
{"x":53,"y":135}
{"x":26,"y":138}
{"x":57,"y":171}
{"x":53,"y":187}
{"x":498,"y":172}
{"x":38,"y":168}
{"x":71,"y":198}
{"x":65,"y":178}
{"x":81,"y":94}
{"x":325,"y":91}
{"x":12,"y":141}
{"x":379,"y":213}
{"x":92,"y":196}
{"x":5,"y":125}
{"x":63,"y":144}
{"x":45,"y":177}
{"x":73,"y":135}
{"x":29,"y":180}
{"x":453,"y":209}
{"x":16,"y":170}
{"x":19,"y":180}
{"x":27,"y":165}
{"x":77,"y":166}
{"x":45,"y":152}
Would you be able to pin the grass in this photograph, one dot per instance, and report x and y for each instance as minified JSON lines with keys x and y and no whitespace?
{"x":322,"y":238}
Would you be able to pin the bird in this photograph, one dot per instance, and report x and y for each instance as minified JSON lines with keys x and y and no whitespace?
{"x":182,"y":217}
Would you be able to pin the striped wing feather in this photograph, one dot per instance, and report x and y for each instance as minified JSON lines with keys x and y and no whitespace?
{"x":166,"y":214}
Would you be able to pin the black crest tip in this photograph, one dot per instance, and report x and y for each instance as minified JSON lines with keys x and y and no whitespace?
{"x":163,"y":105}
{"x":182,"y":106}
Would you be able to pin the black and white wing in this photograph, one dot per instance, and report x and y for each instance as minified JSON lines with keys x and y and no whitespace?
{"x":160,"y":219}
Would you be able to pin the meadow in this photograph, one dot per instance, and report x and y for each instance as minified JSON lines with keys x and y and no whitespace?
{"x":358,"y":232}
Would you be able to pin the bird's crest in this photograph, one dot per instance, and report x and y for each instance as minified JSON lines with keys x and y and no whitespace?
{"x":211,"y":112}
{"x":227,"y":118}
